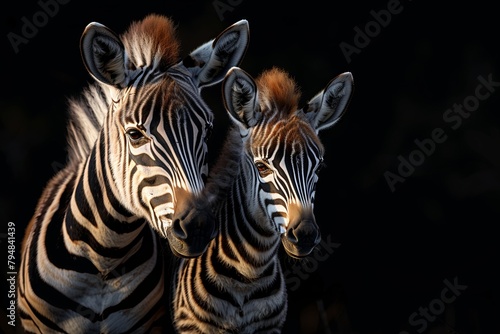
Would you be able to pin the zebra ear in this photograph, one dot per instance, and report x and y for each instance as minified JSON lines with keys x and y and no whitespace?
{"x":210,"y":62}
{"x":103,"y":54}
{"x":326,"y":108}
{"x":240,"y":98}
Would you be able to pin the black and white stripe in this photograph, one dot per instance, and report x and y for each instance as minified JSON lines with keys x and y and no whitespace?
{"x":92,"y":257}
{"x":263,"y":191}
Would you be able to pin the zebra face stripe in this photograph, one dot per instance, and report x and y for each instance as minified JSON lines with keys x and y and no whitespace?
{"x":286,"y":169}
{"x":158,"y":144}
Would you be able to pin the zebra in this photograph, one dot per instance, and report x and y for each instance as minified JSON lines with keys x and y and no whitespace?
{"x":263,"y":189}
{"x":92,"y":259}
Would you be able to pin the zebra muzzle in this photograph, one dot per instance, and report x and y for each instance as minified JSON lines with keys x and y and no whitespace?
{"x":300,"y":239}
{"x":192,"y":229}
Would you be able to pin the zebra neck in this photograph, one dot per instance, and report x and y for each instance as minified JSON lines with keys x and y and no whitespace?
{"x":245,"y":237}
{"x":96,"y":226}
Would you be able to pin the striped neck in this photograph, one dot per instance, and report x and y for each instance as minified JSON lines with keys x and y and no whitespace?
{"x":245,"y":237}
{"x":96,"y":226}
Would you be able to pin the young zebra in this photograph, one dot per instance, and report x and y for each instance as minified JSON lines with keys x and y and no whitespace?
{"x":92,"y":260}
{"x":263,"y":187}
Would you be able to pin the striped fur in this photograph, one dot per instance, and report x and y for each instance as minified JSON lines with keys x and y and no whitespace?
{"x":92,"y":257}
{"x":263,"y":191}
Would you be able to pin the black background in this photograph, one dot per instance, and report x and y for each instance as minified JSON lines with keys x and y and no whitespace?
{"x":394,"y":247}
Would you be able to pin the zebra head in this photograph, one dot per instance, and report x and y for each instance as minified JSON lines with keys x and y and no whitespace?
{"x":156,"y":129}
{"x":282,"y":151}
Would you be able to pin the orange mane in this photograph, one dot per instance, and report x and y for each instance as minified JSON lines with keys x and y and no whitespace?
{"x":279,"y":96}
{"x":152,"y":39}
{"x":278,"y":90}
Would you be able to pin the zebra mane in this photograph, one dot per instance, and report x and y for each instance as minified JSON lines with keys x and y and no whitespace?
{"x":152,"y":42}
{"x":86,"y":117}
{"x":280,"y":95}
{"x":278,"y":91}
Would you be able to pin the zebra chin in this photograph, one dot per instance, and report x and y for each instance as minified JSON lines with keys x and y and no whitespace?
{"x":191,"y":232}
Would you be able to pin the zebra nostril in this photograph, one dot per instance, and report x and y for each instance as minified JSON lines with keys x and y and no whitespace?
{"x":178,"y":230}
{"x":304,"y":233}
{"x":291,"y":236}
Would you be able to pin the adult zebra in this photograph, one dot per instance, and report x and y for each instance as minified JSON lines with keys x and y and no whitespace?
{"x":263,"y":187}
{"x":91,"y":259}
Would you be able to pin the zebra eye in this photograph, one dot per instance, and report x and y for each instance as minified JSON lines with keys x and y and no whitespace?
{"x":263,"y":169}
{"x":136,"y":136}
